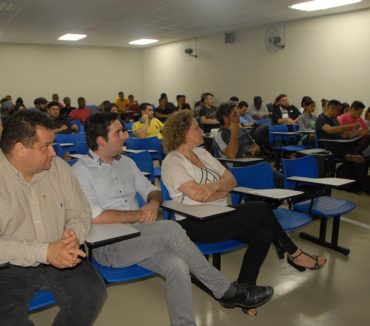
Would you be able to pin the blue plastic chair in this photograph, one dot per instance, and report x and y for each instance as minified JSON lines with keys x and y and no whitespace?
{"x":322,"y":207}
{"x":146,"y":144}
{"x":42,"y":299}
{"x":282,"y":144}
{"x":81,"y":147}
{"x":260,"y":176}
{"x":215,"y":249}
{"x":70,"y":138}
{"x":144,"y":162}
{"x":58,"y":150}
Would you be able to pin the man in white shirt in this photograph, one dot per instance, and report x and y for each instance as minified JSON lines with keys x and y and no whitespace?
{"x":110,"y":182}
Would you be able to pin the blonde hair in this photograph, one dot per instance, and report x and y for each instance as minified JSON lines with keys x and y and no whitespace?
{"x":175,"y":129}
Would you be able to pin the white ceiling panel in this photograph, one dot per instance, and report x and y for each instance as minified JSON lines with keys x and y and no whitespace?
{"x":116,"y":22}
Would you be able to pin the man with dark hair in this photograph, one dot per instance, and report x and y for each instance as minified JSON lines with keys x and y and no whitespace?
{"x":327,"y":127}
{"x":181,"y":103}
{"x":82,"y":112}
{"x":147,"y":126}
{"x":354,"y":116}
{"x":258,"y":110}
{"x":61,"y":124}
{"x":67,"y":108}
{"x":111,"y":182}
{"x":207,"y":113}
{"x":121,"y":102}
{"x":231,"y":140}
{"x":234,"y":100}
{"x":163,"y":110}
{"x":45,"y":217}
{"x":41,"y":104}
{"x":246,"y":120}
{"x":282,"y":112}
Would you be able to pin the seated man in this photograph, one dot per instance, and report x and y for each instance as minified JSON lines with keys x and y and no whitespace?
{"x":258,"y":110}
{"x":354,"y":116}
{"x":164,"y":109}
{"x":231,"y":140}
{"x":282,"y":112}
{"x":327,"y":127}
{"x":207,"y":113}
{"x":246,"y":120}
{"x":110,"y":182}
{"x":45,"y":217}
{"x":235,"y":142}
{"x":147,"y":126}
{"x":82,"y":112}
{"x":61,"y":124}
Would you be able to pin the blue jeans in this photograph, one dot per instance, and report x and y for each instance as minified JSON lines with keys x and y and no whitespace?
{"x":79,"y":292}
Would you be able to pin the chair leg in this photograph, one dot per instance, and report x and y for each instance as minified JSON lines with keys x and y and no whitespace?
{"x":321,"y":239}
{"x":217,"y":261}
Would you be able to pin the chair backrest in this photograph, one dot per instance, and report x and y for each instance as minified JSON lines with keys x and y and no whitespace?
{"x":258,"y":176}
{"x":144,"y":162}
{"x":81,"y":147}
{"x":70,"y":138}
{"x":146,"y":144}
{"x":167,"y":215}
{"x":303,"y":167}
{"x":277,"y":128}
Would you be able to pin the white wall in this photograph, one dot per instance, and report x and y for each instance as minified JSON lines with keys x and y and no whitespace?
{"x":96,"y":73}
{"x":324,"y":57}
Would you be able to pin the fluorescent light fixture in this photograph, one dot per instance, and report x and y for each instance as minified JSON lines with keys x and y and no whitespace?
{"x":71,"y":37}
{"x":143,"y":41}
{"x":322,"y":4}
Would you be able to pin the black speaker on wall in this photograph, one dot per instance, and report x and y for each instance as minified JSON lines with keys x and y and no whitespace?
{"x":229,"y":37}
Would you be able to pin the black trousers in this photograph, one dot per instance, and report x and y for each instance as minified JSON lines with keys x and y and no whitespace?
{"x":253,"y":223}
{"x":79,"y":292}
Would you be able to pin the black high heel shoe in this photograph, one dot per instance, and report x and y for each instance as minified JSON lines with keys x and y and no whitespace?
{"x":300,"y":268}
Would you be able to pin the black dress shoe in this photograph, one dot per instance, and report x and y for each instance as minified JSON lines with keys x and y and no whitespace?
{"x":247,"y":296}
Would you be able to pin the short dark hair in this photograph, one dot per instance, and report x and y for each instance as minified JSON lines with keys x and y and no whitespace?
{"x":179,"y":96}
{"x":142,"y":106}
{"x":308,"y":102}
{"x":21,"y":128}
{"x":234,"y":98}
{"x":97,"y":125}
{"x":334,"y":103}
{"x":257,"y":99}
{"x":304,"y":99}
{"x":242,"y":103}
{"x":280,"y":97}
{"x":224,"y":110}
{"x":53,"y":103}
{"x":204,"y":95}
{"x":357,"y":105}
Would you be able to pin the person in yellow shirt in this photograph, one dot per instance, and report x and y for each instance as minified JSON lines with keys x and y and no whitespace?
{"x":147,"y":126}
{"x":121,"y":102}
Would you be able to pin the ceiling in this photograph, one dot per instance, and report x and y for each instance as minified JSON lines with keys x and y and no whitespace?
{"x":116,"y":22}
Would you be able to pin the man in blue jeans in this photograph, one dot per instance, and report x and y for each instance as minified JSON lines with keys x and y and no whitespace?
{"x":110,"y":182}
{"x":44,"y":219}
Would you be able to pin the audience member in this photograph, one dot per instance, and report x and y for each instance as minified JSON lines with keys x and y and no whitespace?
{"x":170,"y":105}
{"x":67,"y":108}
{"x":367,"y":117}
{"x":304,"y":99}
{"x":55,"y":98}
{"x":163,"y":246}
{"x":327,"y":127}
{"x":353,"y":116}
{"x":61,"y":124}
{"x":258,"y":110}
{"x":132,"y":107}
{"x":181,"y":103}
{"x":45,"y":219}
{"x":121,"y":102}
{"x":207,"y":113}
{"x":234,"y":100}
{"x":246,"y":120}
{"x":192,"y":176}
{"x":147,"y":126}
{"x":307,"y":121}
{"x":282,"y":112}
{"x":41,"y":104}
{"x":345,"y":108}
{"x":163,"y":110}
{"x":82,"y":112}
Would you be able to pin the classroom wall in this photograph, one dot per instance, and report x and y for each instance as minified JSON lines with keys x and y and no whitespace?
{"x":324,"y":57}
{"x":96,"y":73}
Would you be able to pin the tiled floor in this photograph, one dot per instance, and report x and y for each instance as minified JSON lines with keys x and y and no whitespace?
{"x":337,"y":295}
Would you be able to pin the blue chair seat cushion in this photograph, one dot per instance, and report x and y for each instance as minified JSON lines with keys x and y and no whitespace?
{"x":121,"y":274}
{"x":210,"y":248}
{"x":291,"y":220}
{"x":325,"y":206}
{"x":42,"y":299}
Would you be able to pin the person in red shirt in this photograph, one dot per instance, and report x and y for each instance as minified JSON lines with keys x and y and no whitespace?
{"x":354,"y":116}
{"x":82,"y":112}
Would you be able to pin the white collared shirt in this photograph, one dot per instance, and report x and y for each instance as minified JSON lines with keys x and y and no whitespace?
{"x":111,"y":186}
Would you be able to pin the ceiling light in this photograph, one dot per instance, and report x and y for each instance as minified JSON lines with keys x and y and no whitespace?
{"x":143,"y":41}
{"x":71,"y":37}
{"x":322,"y":4}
